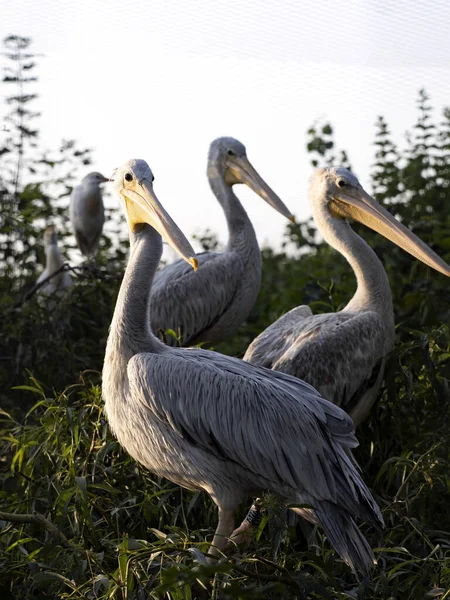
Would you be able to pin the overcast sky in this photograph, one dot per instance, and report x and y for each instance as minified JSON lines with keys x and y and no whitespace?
{"x":160,"y":80}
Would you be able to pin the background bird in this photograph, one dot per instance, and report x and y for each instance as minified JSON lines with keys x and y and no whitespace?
{"x":87,"y":213}
{"x":53,"y":261}
{"x":343,"y":354}
{"x":215,"y":423}
{"x":209,"y":305}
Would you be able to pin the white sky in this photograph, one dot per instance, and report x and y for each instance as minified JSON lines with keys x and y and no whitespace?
{"x":160,"y":80}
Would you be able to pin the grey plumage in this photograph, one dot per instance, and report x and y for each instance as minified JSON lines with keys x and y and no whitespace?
{"x":343,"y":354}
{"x":87,"y":213}
{"x":58,"y":284}
{"x":209,"y":305}
{"x":215,"y":423}
{"x":340,"y":354}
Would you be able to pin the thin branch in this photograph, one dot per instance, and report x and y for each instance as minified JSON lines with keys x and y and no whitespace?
{"x":413,"y":470}
{"x":37,"y":519}
{"x":289,"y":580}
{"x":40,"y":284}
{"x":79,"y":272}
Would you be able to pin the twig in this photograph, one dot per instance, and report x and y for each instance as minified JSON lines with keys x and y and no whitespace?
{"x":40,"y":284}
{"x":37,"y":519}
{"x":289,"y":580}
{"x":78,"y":271}
{"x":263,"y":577}
{"x":278,"y":567}
{"x":414,"y":469}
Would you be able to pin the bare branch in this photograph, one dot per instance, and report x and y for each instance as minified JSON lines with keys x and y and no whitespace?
{"x":40,"y":284}
{"x":37,"y":519}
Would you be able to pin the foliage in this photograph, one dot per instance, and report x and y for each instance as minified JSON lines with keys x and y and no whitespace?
{"x":130,"y":535}
{"x":122,"y":533}
{"x":35,"y":191}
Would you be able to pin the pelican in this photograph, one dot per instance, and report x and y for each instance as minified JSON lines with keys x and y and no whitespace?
{"x":59,"y":283}
{"x":208,"y":306}
{"x":87,"y":213}
{"x":343,"y":354}
{"x":210,"y":422}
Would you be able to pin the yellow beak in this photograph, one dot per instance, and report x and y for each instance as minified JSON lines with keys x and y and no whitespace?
{"x":244,"y":172}
{"x":143,"y":206}
{"x":368,"y":212}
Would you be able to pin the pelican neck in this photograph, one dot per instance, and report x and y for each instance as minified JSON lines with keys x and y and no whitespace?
{"x":373,"y":291}
{"x":241,"y":234}
{"x":130,"y":327}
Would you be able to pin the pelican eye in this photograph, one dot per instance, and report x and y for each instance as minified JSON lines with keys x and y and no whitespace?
{"x":231,"y":152}
{"x":128,"y":177}
{"x":342,"y":183}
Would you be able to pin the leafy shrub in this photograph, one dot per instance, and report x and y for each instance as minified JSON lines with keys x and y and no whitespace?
{"x":80,"y":519}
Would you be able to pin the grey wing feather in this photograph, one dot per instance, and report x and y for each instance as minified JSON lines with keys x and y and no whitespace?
{"x":180,"y":268}
{"x":337,"y":353}
{"x":193,"y":301}
{"x":276,"y":427}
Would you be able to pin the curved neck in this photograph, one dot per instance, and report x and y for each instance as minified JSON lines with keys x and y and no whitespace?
{"x":373,"y":291}
{"x":241,"y":234}
{"x":130,"y":330}
{"x":53,"y":258}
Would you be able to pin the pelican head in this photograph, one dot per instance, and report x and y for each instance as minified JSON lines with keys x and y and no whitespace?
{"x":228,"y":157}
{"x":50,"y":238}
{"x":345,"y":197}
{"x":133,"y":182}
{"x":95,"y":178}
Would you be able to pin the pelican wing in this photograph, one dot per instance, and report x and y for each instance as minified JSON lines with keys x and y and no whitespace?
{"x":193,"y":301}
{"x":274,"y":426}
{"x":340,"y":354}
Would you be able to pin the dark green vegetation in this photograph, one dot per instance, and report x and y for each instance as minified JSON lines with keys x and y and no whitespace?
{"x":96,"y":525}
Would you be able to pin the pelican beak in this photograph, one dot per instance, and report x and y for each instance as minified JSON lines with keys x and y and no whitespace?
{"x":368,"y":212}
{"x":143,"y":206}
{"x":242,"y":171}
{"x":50,"y":237}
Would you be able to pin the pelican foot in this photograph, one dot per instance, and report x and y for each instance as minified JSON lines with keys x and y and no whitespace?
{"x":242,"y":536}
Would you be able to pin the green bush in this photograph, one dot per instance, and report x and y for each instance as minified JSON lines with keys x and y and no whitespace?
{"x":80,"y":519}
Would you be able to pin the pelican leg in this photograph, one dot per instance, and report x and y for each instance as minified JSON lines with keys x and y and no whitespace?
{"x":243,"y":533}
{"x":224,"y":529}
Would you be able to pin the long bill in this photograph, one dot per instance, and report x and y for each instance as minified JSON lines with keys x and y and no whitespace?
{"x":246,"y":173}
{"x":368,"y":212}
{"x":143,"y":206}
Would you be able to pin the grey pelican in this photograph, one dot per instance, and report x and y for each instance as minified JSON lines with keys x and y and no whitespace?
{"x":59,"y":283}
{"x":87,"y":213}
{"x":208,"y":306}
{"x":341,"y":354}
{"x":215,"y":423}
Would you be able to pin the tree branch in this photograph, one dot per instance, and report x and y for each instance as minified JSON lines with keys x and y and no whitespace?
{"x":37,"y":519}
{"x":79,"y":272}
{"x":286,"y":580}
{"x":38,"y":286}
